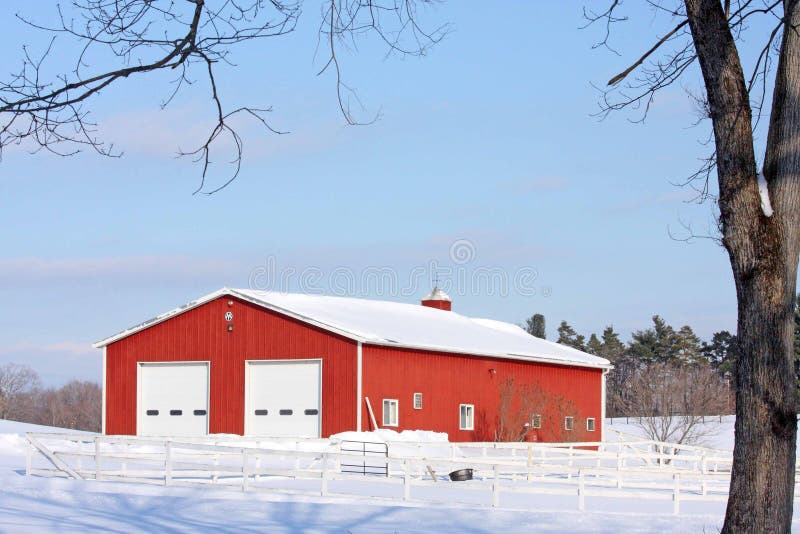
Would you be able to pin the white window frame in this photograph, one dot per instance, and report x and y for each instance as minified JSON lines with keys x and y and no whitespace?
{"x":569,"y":423}
{"x":590,"y":424}
{"x":469,"y":424}
{"x":417,"y":396}
{"x":396,"y":404}
{"x":536,"y":421}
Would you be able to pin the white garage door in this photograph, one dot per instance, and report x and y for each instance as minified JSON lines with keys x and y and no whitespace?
{"x":173,"y":399}
{"x":283,"y":398}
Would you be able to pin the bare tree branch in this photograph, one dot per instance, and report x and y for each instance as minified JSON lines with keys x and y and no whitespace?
{"x":135,"y":38}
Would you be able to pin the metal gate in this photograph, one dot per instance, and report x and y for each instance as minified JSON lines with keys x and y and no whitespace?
{"x":374,"y":458}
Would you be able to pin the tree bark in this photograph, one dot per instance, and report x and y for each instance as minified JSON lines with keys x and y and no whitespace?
{"x":763,"y":252}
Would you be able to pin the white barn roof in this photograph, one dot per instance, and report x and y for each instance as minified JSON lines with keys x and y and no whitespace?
{"x":399,"y":325}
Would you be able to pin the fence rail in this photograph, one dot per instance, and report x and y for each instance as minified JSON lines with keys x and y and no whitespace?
{"x":636,"y":469}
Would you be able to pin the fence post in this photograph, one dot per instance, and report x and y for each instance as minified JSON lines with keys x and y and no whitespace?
{"x":676,"y":495}
{"x":406,"y":481}
{"x":496,"y":487}
{"x":324,"y":489}
{"x":581,"y":496}
{"x":125,"y":463}
{"x":215,"y":472}
{"x":530,"y":460}
{"x":168,"y":464}
{"x":28,"y":459}
{"x":97,"y":458}
{"x":245,"y":469}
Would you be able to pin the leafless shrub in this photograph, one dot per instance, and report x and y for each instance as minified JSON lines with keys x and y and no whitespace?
{"x":670,"y":401}
{"x":520,"y":404}
{"x":17,"y":382}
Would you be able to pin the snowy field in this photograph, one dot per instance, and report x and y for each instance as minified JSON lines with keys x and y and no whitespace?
{"x":38,"y":504}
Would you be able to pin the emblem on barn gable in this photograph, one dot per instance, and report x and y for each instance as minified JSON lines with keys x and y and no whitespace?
{"x":229,"y":316}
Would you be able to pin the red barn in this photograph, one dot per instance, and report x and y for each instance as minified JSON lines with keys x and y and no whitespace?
{"x":260,"y":363}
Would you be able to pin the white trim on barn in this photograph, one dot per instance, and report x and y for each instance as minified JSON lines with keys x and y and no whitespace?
{"x":359,"y":385}
{"x":603,"y":404}
{"x":103,"y":402}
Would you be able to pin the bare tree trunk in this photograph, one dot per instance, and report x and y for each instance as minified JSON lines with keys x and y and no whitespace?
{"x":763,"y":252}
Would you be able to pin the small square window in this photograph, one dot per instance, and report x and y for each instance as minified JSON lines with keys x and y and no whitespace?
{"x":569,"y":423}
{"x":590,"y":424}
{"x":466,"y":419}
{"x":417,"y":401}
{"x":390,"y":412}
{"x":536,"y":421}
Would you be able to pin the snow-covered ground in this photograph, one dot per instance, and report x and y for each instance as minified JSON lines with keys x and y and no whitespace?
{"x":36,"y":504}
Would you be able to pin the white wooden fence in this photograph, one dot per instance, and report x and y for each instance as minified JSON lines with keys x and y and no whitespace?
{"x":503,"y":472}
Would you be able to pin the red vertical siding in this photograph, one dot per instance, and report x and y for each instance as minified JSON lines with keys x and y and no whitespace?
{"x":448,"y":380}
{"x":201,"y":334}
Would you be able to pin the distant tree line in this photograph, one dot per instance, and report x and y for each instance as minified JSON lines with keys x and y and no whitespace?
{"x":666,"y":377}
{"x":663,"y":358}
{"x":76,"y":405}
{"x":673,"y":358}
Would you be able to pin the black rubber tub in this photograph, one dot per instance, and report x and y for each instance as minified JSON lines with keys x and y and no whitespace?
{"x":461,"y":474}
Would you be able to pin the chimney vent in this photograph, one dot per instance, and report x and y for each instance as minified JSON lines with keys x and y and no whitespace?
{"x":437,"y":299}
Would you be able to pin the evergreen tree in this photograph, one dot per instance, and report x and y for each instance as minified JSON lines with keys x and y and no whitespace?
{"x":666,"y":340}
{"x":594,"y":346}
{"x":535,"y":326}
{"x":568,"y":336}
{"x":686,"y":346}
{"x":643,"y":347}
{"x":612,"y":348}
{"x":721,"y":353}
{"x":656,"y":344}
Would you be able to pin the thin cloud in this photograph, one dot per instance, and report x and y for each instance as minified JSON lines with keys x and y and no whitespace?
{"x":37,"y":271}
{"x":73,"y":348}
{"x":535,"y":185}
{"x":652,"y":200}
{"x":166,"y":133}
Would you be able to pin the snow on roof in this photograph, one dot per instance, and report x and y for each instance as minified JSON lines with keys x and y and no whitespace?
{"x":399,"y":325}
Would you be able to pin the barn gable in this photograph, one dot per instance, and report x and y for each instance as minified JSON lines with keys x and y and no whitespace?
{"x":200,"y":334}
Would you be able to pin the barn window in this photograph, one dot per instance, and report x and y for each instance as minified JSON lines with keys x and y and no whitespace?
{"x":466,"y":419}
{"x":536,"y":421}
{"x":390,"y":412}
{"x":569,"y":423}
{"x":417,"y":401}
{"x":590,"y":424}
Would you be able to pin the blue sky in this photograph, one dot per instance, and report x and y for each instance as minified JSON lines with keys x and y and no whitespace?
{"x":488,"y":139}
